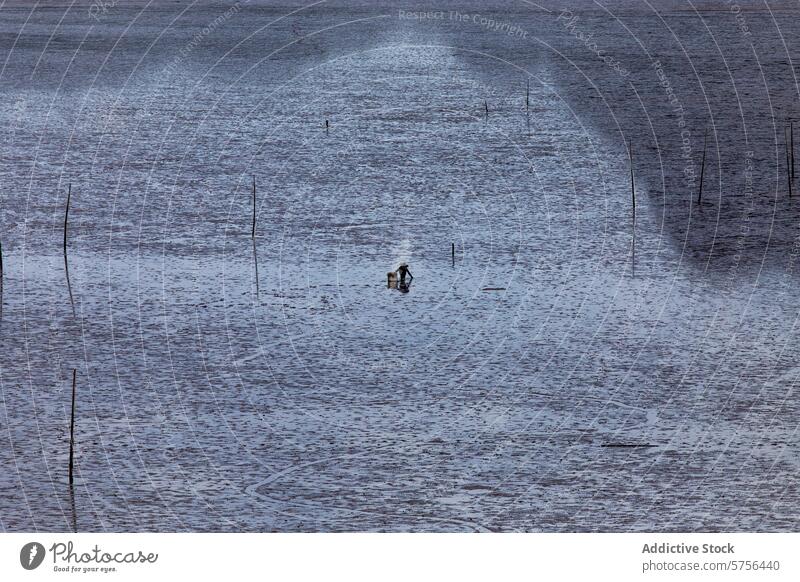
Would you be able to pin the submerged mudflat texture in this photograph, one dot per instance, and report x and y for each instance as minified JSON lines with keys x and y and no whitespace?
{"x":305,"y":395}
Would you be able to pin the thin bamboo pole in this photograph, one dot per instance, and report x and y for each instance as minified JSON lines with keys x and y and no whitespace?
{"x":66,"y":217}
{"x":791,"y":139}
{"x":528,"y":95}
{"x":788,"y":162}
{"x":702,"y":167}
{"x":633,"y":186}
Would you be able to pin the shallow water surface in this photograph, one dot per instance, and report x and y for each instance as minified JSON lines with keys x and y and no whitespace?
{"x":305,"y":395}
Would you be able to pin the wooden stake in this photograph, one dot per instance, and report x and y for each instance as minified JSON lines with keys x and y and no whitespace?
{"x":72,"y":428}
{"x":66,"y":266}
{"x":788,"y":162}
{"x":66,"y":218}
{"x":791,"y":136}
{"x":702,"y":168}
{"x":633,"y":207}
{"x":453,"y":252}
{"x":633,"y":187}
{"x":255,"y":253}
{"x":486,"y":107}
{"x":69,"y":285}
{"x":327,"y":127}
{"x":528,"y":95}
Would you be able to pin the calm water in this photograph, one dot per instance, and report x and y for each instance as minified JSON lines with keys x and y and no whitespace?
{"x":312,"y":398}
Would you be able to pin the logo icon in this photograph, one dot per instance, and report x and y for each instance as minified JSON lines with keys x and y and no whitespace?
{"x":31,"y":555}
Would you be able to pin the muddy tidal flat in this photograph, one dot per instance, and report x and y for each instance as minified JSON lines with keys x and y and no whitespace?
{"x":597,"y":204}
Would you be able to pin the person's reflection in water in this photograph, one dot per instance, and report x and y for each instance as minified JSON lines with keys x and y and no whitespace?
{"x":404,"y":287}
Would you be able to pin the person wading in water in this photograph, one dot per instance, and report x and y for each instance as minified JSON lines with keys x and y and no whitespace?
{"x":402,"y":270}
